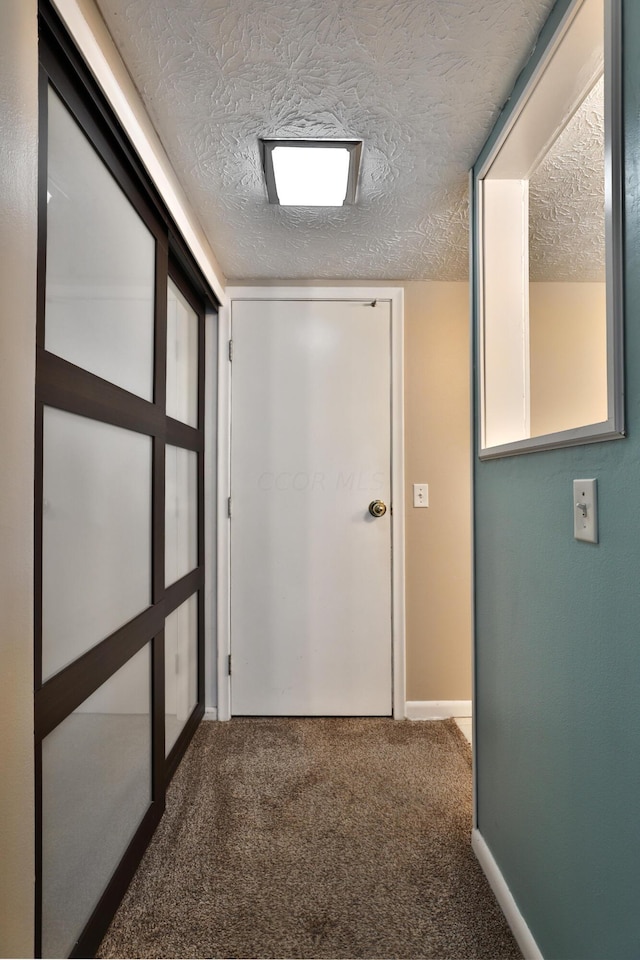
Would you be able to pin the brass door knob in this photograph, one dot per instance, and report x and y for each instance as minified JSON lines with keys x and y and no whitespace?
{"x":377,"y":508}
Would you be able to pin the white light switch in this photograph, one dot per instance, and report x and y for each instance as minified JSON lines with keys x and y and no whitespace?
{"x":421,"y":494}
{"x":585,"y":510}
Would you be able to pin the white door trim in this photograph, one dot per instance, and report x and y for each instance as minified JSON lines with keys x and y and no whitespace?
{"x":395,"y":296}
{"x":223,"y":591}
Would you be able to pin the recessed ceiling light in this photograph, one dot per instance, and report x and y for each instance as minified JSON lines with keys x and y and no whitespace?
{"x":311,"y":173}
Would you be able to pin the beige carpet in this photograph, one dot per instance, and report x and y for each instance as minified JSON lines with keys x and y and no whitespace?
{"x":315,"y":838}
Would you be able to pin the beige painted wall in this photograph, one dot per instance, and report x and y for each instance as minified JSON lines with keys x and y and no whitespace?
{"x":505,"y":280}
{"x":568,"y":355}
{"x":437,"y":451}
{"x":18,"y":171}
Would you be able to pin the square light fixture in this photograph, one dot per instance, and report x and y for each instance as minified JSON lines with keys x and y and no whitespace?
{"x":311,"y":173}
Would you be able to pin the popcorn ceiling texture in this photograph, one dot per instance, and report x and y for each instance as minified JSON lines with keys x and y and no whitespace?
{"x":566,"y":200}
{"x":420,"y":81}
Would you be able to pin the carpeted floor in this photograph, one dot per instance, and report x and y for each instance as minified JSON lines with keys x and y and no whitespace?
{"x":315,"y":838}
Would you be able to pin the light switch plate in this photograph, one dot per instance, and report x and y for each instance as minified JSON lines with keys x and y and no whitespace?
{"x":421,"y":494}
{"x":585,"y":510}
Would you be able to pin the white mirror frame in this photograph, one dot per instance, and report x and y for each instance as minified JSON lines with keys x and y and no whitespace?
{"x":613,"y":426}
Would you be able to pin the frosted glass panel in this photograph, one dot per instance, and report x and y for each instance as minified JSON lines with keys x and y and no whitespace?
{"x":96,"y":788}
{"x":96,"y":538}
{"x":180,"y":668}
{"x":100,"y":264}
{"x":182,"y":358}
{"x":181,"y":533}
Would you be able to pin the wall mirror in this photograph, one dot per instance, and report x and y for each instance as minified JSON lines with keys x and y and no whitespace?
{"x":547,"y":245}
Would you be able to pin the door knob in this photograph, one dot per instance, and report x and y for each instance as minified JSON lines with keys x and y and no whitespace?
{"x":377,"y":508}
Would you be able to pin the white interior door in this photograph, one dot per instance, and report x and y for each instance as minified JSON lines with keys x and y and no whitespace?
{"x":310,"y":566}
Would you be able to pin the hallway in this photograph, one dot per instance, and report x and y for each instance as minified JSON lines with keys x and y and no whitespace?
{"x":138,"y":216}
{"x":315,"y":838}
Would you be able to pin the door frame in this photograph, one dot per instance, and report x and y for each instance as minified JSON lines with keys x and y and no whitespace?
{"x":395,"y":297}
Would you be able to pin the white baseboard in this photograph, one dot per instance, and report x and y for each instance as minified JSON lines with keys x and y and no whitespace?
{"x":437,"y":709}
{"x":504,"y":897}
{"x":414,"y":710}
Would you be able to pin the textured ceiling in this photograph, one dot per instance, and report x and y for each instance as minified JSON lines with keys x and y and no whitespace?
{"x":420,"y":81}
{"x":566,"y":200}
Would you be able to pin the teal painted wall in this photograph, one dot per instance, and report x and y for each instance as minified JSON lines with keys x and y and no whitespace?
{"x":558,"y":656}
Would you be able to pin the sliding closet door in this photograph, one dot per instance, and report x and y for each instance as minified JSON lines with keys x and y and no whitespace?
{"x":184,"y":505}
{"x":119,"y":520}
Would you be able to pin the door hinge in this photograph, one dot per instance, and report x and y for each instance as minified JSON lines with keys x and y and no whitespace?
{"x":229,"y":664}
{"x":229,"y":506}
{"x":230,"y":350}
